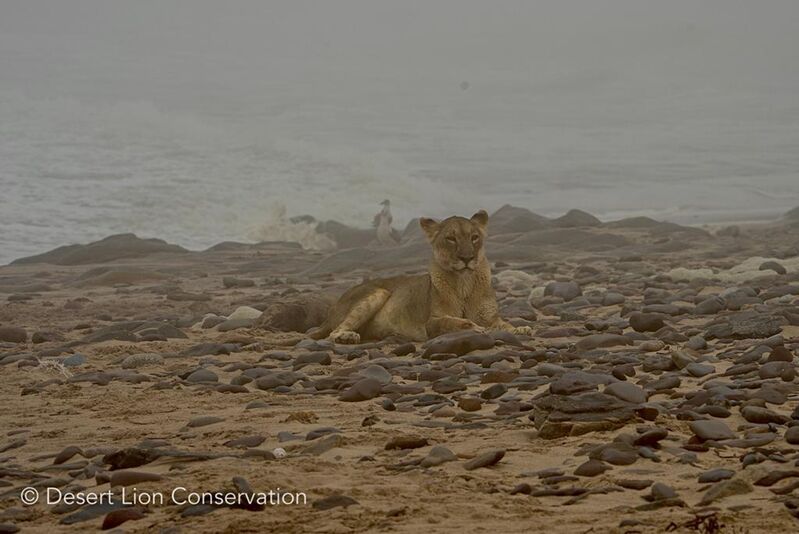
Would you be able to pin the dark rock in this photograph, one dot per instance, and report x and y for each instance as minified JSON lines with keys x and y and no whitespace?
{"x":117,"y":517}
{"x":646,"y":322}
{"x":115,"y":247}
{"x":202,"y":376}
{"x":566,"y":290}
{"x":715,"y":475}
{"x":596,"y":341}
{"x":364,"y":389}
{"x":591,"y":468}
{"x":458,"y":343}
{"x":334,"y":501}
{"x":627,"y":392}
{"x":616,"y":453}
{"x":772,"y":266}
{"x":13,"y":334}
{"x":486,"y":459}
{"x":711,"y":430}
{"x":406,"y":442}
{"x":745,"y":325}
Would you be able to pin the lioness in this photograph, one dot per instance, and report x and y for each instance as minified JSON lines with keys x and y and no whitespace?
{"x":455,"y":295}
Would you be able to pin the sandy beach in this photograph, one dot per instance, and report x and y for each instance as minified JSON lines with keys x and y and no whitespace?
{"x":657,"y":393}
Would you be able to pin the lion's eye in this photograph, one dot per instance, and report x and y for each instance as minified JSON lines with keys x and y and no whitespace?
{"x":475,"y":237}
{"x":450,"y":239}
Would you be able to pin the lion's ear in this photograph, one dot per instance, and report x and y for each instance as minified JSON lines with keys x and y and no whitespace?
{"x":481,"y":218}
{"x":429,"y":226}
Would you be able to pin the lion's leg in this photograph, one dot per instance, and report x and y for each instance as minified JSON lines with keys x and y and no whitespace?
{"x":437,"y":326}
{"x":363,"y":310}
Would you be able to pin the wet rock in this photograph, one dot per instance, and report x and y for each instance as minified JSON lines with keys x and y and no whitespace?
{"x":485,"y":459}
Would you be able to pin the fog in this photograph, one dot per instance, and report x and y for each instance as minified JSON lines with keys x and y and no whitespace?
{"x":199,"y":121}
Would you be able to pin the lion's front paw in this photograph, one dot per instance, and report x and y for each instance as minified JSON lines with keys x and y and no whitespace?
{"x":523,"y":331}
{"x":346,"y":337}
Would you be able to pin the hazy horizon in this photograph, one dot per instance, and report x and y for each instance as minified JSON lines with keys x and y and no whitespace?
{"x":197,"y":122}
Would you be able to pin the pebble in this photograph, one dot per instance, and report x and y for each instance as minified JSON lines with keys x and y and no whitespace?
{"x":715,"y":475}
{"x":364,"y":389}
{"x":406,"y":442}
{"x":627,"y":392}
{"x":646,"y":322}
{"x":458,"y":343}
{"x":334,"y":501}
{"x":591,"y":468}
{"x":13,"y":334}
{"x":486,"y":459}
{"x":711,"y":430}
{"x":202,"y":376}
{"x":204,"y":420}
{"x":134,"y":361}
{"x":437,"y":456}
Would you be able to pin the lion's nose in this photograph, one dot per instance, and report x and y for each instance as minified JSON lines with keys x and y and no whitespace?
{"x":466,"y":259}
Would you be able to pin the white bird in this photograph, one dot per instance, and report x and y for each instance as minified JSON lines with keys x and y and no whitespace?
{"x":386,"y":235}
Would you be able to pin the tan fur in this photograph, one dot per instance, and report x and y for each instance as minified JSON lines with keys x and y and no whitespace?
{"x":456,"y":293}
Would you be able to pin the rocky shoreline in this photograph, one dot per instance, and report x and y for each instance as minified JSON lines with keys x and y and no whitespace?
{"x":659,"y":388}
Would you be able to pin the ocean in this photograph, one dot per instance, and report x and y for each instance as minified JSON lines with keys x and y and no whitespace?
{"x":189,"y":128}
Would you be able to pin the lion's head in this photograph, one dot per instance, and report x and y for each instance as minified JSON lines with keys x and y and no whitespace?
{"x":457,"y":242}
